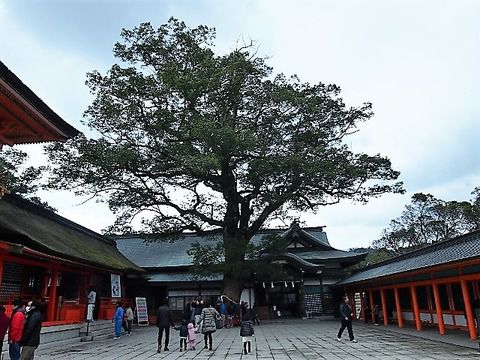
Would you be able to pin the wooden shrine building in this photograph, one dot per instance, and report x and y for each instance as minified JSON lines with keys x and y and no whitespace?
{"x":434,"y":286}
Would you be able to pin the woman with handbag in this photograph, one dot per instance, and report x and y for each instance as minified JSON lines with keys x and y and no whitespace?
{"x":208,"y":321}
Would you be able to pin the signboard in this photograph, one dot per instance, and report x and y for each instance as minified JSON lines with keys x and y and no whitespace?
{"x":116,"y":289}
{"x":142,"y":313}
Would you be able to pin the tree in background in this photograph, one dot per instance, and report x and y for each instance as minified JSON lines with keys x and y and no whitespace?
{"x":18,"y":178}
{"x":428,"y":220}
{"x":189,"y":140}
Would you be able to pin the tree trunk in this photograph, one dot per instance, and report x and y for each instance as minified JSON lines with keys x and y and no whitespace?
{"x":232,"y":286}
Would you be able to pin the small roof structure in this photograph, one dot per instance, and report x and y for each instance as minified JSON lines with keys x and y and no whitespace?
{"x":24,"y":117}
{"x":459,"y":249}
{"x":29,"y":226}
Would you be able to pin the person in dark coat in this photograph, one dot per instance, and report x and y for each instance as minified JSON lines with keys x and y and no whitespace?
{"x":208,"y":320}
{"x":346,"y":315}
{"x":183,"y":334}
{"x":31,"y":331}
{"x":164,"y":321}
{"x":4,"y":322}
{"x":246,"y":332}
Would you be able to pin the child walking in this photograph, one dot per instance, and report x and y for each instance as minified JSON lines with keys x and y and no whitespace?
{"x":118,"y":320}
{"x":183,"y":335}
{"x":192,"y":336}
{"x":246,"y":332}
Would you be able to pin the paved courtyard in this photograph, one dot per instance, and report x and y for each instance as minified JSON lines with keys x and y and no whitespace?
{"x":296,"y":339}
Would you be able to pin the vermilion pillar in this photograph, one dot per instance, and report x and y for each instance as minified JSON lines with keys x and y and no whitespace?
{"x":416,"y":309}
{"x":468,"y":310}
{"x":399,"y":308}
{"x":384,"y":306}
{"x":362,"y":309}
{"x":438,"y":309}
{"x":52,"y":302}
{"x":2,"y":259}
{"x":352,"y":304}
{"x":372,"y":306}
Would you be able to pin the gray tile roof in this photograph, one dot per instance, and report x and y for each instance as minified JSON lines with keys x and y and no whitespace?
{"x":164,"y":254}
{"x":460,"y":248}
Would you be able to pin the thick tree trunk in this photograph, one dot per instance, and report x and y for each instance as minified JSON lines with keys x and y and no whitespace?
{"x":232,"y":287}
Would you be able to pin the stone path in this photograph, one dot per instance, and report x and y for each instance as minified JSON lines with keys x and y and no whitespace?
{"x":294,"y":339}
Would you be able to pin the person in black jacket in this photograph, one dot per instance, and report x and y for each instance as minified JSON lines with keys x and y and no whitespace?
{"x":246,"y":332}
{"x":31,"y":331}
{"x":164,"y":321}
{"x":183,"y":334}
{"x":346,"y":315}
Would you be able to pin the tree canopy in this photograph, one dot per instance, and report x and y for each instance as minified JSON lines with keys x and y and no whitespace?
{"x":189,"y":140}
{"x":427,"y":220}
{"x":20,"y":179}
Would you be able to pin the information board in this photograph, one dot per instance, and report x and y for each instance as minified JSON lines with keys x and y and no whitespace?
{"x":142,"y":313}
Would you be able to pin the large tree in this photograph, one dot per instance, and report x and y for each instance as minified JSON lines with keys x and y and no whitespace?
{"x":190,"y":140}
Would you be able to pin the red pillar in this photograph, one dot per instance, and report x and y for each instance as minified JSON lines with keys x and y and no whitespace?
{"x":52,"y":302}
{"x":353,"y":305}
{"x":416,"y":309}
{"x":399,"y":308}
{"x":438,"y":308}
{"x":468,"y":310}
{"x":372,"y":306}
{"x":384,"y":306}
{"x":2,"y":259}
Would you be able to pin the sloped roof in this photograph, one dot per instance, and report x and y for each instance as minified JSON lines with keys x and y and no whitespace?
{"x":25,"y":117}
{"x":164,"y":254}
{"x":176,"y":277}
{"x":35,"y":227}
{"x":461,"y":248}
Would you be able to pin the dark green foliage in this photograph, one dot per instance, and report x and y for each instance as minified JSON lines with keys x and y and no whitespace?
{"x":198,"y":141}
{"x":20,"y":179}
{"x":428,"y":220}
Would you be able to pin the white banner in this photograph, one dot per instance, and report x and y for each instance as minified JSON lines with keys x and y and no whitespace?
{"x":116,"y":289}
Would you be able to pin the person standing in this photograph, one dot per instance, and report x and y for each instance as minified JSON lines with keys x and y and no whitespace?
{"x":128,"y":319}
{"x":15,"y":329}
{"x":346,"y":315}
{"x":118,"y":320}
{"x":183,"y":328}
{"x":31,"y":331}
{"x":192,"y":335}
{"x":197,"y":306}
{"x":209,"y":326}
{"x":246,"y":332}
{"x":4,"y":321}
{"x":164,"y":322}
{"x":92,"y":297}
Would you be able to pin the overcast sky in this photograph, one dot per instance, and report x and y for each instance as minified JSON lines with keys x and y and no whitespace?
{"x":418,"y":62}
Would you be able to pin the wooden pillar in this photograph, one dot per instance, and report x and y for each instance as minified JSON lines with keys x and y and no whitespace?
{"x":372,"y":306}
{"x":384,"y":306}
{"x":416,"y":309}
{"x":468,"y":310}
{"x":438,"y":309}
{"x":399,"y":308}
{"x":52,"y":302}
{"x":451,"y":304}
{"x":362,"y":304}
{"x":352,"y":305}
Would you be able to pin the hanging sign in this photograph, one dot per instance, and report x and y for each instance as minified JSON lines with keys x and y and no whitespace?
{"x":142,"y":313}
{"x":116,"y":289}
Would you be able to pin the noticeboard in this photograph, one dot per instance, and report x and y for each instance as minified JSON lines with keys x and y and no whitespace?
{"x":142,"y":313}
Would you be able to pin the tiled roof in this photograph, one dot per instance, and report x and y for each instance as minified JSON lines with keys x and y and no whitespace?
{"x":164,"y":254}
{"x":460,"y":248}
{"x":33,"y":226}
{"x":181,"y":277}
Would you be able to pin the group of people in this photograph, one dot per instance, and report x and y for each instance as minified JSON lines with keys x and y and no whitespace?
{"x":24,"y":326}
{"x":123,"y":319}
{"x":199,"y":317}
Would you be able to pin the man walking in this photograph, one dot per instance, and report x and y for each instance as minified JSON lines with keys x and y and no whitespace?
{"x":92,"y":297}
{"x":164,"y":321}
{"x":31,"y":331}
{"x":346,"y":315}
{"x":15,"y":329}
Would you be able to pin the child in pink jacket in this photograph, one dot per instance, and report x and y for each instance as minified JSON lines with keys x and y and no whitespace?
{"x":192,"y":336}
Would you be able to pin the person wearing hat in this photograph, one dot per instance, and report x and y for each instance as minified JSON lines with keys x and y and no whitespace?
{"x":15,"y":329}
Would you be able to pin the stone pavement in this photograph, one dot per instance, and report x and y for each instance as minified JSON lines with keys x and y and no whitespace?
{"x":289,"y":339}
